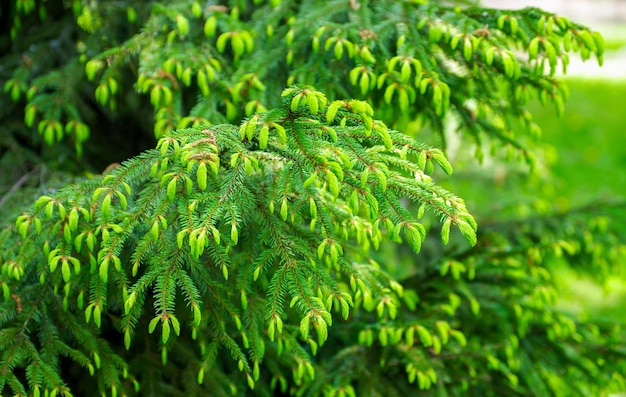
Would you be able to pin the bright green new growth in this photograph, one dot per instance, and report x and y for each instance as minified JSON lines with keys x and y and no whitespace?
{"x":267,"y":255}
{"x":409,"y":59}
{"x":287,"y":206}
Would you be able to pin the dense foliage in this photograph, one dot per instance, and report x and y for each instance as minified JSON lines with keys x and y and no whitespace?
{"x":278,"y":255}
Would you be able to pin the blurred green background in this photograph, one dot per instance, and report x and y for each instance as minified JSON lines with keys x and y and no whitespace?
{"x":591,"y":162}
{"x":590,"y":166}
{"x":583,"y":162}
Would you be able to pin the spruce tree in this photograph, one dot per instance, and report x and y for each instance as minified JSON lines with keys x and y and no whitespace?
{"x":287,"y":233}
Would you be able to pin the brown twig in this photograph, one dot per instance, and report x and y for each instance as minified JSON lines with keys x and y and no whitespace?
{"x":23,"y":179}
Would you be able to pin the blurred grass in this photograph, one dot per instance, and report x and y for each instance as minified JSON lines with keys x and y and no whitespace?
{"x":589,"y":142}
{"x":584,"y":162}
{"x":613,"y":44}
{"x":583,"y":156}
{"x":582,"y":159}
{"x":590,"y":165}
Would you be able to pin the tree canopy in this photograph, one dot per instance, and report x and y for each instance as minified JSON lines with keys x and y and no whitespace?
{"x":281,"y":221}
